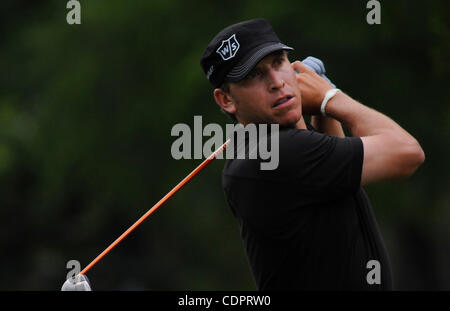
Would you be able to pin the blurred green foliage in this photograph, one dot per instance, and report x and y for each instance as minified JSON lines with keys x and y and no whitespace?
{"x":86,"y":113}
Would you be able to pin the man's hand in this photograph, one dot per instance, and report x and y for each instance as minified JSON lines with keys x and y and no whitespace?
{"x":312,"y":87}
{"x":323,"y":124}
{"x":317,"y":65}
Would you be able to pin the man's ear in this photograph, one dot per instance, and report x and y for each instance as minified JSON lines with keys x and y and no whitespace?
{"x":224,"y":100}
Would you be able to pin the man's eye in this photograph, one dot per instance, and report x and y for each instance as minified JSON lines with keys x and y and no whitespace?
{"x":279,"y":60}
{"x":251,"y":75}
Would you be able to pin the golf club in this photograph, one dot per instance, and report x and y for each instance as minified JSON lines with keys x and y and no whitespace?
{"x":312,"y":62}
{"x":72,"y":285}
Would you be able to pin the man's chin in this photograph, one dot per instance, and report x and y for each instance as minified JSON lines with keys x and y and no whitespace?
{"x":290,"y":120}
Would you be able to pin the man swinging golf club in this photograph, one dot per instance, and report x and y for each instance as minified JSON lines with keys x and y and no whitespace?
{"x":80,"y":281}
{"x":307,"y":225}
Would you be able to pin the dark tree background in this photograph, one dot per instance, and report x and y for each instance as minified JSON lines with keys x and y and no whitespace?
{"x":86,"y":113}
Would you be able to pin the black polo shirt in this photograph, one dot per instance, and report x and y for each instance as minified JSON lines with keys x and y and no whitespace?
{"x":307,"y":225}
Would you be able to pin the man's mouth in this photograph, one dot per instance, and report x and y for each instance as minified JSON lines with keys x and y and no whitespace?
{"x":283,"y":102}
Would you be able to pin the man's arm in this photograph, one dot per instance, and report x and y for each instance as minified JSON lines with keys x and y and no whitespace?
{"x":390,"y":152}
{"x":327,"y":125}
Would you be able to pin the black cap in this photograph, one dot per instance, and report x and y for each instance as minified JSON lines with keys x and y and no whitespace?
{"x":235,"y":50}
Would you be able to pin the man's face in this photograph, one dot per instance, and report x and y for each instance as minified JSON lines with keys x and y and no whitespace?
{"x":269,"y":93}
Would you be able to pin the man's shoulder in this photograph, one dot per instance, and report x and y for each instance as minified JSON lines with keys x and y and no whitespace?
{"x":285,"y":150}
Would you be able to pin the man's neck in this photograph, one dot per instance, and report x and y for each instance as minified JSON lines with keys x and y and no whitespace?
{"x":301,"y":124}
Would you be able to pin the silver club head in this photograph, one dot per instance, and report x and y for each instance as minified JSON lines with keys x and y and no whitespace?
{"x":78,"y":283}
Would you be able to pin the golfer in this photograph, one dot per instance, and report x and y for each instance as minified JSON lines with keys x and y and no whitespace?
{"x":308,"y":224}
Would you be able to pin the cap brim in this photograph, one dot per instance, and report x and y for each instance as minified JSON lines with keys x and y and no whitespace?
{"x":249,"y":62}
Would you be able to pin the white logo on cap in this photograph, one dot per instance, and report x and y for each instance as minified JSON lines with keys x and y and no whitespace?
{"x":210,"y":71}
{"x":228,"y":48}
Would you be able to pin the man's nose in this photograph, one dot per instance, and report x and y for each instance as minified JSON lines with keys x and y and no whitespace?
{"x":275,"y":81}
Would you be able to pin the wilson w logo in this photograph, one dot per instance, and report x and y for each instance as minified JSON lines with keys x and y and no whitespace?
{"x":228,"y":48}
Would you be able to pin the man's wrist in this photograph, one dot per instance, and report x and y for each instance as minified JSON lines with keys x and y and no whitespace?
{"x":328,"y":96}
{"x":343,"y":108}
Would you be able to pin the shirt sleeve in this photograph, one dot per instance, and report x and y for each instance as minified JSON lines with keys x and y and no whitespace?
{"x":321,"y":164}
